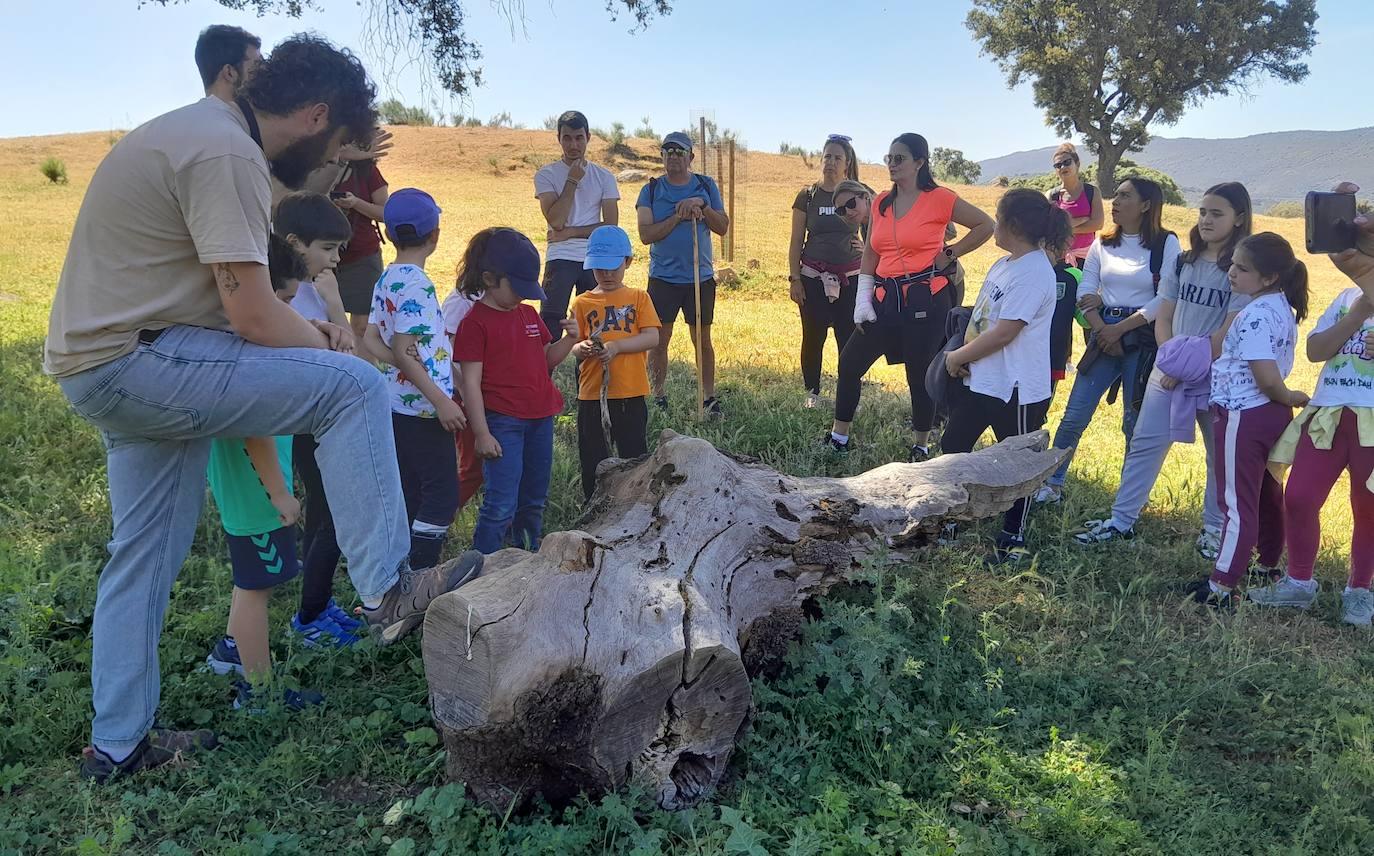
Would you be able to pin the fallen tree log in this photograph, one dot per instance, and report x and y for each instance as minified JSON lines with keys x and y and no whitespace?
{"x":620,"y":652}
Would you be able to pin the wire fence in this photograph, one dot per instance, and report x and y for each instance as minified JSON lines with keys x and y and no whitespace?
{"x":723,"y":156}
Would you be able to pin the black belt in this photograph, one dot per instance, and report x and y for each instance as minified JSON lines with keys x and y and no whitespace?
{"x":148,"y":337}
{"x":1119,"y":311}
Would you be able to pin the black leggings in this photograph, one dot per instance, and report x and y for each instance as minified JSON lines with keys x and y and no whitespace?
{"x":818,"y":317}
{"x":916,"y":343}
{"x":319,"y":546}
{"x":971,"y":413}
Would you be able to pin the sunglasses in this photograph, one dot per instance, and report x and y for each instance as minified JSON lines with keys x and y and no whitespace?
{"x":839,"y":138}
{"x":1063,"y":164}
{"x":848,"y":206}
{"x":895,"y":160}
{"x":673,"y":150}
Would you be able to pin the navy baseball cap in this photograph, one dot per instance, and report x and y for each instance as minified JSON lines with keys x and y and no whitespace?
{"x":512,"y":255}
{"x":410,"y":214}
{"x":677,"y":138}
{"x":607,"y":248}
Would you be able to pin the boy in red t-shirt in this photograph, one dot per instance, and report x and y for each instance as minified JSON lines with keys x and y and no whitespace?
{"x":506,"y":353}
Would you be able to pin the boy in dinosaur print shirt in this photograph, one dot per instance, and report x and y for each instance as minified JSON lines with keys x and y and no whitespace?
{"x":406,"y":334}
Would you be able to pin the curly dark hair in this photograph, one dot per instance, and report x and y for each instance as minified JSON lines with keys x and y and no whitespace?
{"x":306,"y":70}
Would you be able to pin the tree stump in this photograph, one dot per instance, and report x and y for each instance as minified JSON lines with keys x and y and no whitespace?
{"x":618,"y":652}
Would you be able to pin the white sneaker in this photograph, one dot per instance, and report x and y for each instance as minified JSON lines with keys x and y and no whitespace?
{"x":1049,"y":494}
{"x":1357,"y":607}
{"x":1287,"y":592}
{"x":812,"y":401}
{"x":1100,"y":532}
{"x":1209,"y":544}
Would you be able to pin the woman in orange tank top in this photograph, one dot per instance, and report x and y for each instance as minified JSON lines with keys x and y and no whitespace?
{"x":904,"y":287}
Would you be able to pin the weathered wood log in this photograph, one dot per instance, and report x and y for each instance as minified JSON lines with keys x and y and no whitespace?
{"x":618,"y":652}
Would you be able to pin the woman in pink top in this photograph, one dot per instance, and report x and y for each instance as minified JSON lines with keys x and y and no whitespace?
{"x":1080,"y":199}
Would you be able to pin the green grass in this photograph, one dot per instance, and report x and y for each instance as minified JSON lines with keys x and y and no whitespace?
{"x":935,"y":707}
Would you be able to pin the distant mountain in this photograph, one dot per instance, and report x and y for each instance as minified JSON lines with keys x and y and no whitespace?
{"x":1275,"y":167}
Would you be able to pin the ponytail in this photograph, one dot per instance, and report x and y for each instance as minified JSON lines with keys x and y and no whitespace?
{"x":1029,"y":214}
{"x":1272,"y":256}
{"x":470,"y":268}
{"x":925,"y":179}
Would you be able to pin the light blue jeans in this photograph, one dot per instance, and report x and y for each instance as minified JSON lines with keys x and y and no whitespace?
{"x":157,"y":409}
{"x":1088,"y":388}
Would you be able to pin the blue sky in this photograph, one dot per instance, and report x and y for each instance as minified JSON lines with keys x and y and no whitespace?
{"x":771,"y":69}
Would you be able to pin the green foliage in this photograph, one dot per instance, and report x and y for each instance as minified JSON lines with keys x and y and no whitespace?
{"x":54,"y":170}
{"x":1109,"y":69}
{"x":1049,"y":181}
{"x":393,"y":112}
{"x":617,"y":137}
{"x":645,"y":131}
{"x":437,"y":26}
{"x":501,"y":120}
{"x":1287,"y":210}
{"x":951,"y":165}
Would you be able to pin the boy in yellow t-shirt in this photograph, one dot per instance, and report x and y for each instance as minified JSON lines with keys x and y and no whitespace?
{"x":616,"y":328}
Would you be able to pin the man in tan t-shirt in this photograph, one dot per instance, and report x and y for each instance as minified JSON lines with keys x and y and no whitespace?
{"x":165,"y":333}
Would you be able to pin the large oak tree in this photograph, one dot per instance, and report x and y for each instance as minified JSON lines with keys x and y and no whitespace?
{"x":1109,"y":69}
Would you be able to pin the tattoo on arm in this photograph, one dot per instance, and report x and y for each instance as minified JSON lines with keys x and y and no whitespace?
{"x":226,"y":279}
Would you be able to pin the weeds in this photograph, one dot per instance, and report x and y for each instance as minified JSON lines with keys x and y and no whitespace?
{"x":54,"y":170}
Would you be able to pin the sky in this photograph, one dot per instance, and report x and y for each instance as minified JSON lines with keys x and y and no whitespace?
{"x":773,"y":70}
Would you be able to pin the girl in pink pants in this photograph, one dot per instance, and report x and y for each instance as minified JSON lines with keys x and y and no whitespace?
{"x":1251,"y":408}
{"x":1333,"y":435}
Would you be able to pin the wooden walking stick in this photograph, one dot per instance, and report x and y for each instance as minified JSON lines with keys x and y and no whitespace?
{"x":696,"y":340}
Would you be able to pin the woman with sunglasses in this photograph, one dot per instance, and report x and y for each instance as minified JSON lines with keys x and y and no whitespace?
{"x":824,"y":261}
{"x":904,"y":288}
{"x":1080,"y":199}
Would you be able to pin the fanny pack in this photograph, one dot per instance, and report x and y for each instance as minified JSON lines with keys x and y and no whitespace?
{"x":906,"y":299}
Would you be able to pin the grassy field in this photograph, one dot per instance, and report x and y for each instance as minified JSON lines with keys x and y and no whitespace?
{"x":1074,"y":707}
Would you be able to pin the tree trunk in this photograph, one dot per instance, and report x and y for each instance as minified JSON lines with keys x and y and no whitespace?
{"x":1108,"y":157}
{"x":621,"y":652}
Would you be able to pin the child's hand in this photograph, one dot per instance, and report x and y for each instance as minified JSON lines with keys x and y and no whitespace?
{"x":1297,"y":398}
{"x":1368,"y":339}
{"x":584,"y":349}
{"x":569,"y":327}
{"x":608,"y":352}
{"x":1167,"y":382}
{"x":451,"y":416}
{"x":955,"y":366}
{"x":486,"y":446}
{"x":288,"y":509}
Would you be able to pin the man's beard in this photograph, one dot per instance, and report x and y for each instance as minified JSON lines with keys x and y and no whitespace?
{"x":295,"y":163}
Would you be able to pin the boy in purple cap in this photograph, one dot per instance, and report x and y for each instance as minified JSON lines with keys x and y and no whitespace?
{"x":505,"y":354}
{"x":406,"y":331}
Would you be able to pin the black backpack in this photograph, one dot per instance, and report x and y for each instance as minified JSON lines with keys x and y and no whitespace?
{"x":1087,"y":188}
{"x":700,"y":184}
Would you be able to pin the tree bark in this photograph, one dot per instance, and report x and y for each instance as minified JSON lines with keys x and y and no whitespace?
{"x":621,"y":652}
{"x":1107,"y":158}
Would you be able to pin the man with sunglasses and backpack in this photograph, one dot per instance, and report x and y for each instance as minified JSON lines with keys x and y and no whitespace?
{"x":669,"y":208}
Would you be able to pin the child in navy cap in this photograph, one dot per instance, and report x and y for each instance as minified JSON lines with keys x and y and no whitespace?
{"x":616,"y":326}
{"x":406,"y":332}
{"x":505,"y":354}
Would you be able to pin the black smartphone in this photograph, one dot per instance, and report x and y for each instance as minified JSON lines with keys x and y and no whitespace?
{"x":1330,"y":222}
{"x":339,"y":194}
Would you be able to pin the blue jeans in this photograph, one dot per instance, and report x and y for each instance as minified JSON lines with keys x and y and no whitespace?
{"x":1088,"y":388}
{"x":157,"y":409}
{"x":516,"y":484}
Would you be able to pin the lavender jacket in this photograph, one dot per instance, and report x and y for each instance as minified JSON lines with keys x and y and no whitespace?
{"x":1187,"y":359}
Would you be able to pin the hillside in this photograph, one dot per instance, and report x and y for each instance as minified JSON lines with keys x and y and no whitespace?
{"x":1280,"y":166}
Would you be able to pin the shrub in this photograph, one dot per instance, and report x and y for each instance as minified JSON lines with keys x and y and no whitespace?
{"x":393,"y":112}
{"x":645,"y":131}
{"x":951,"y":165}
{"x":551,"y":123}
{"x":500,"y":120}
{"x":114,"y":136}
{"x":1003,"y":181}
{"x":1286,"y":210}
{"x":600,"y":133}
{"x":472,"y":122}
{"x":617,"y":138}
{"x":495,"y":165}
{"x":54,"y":170}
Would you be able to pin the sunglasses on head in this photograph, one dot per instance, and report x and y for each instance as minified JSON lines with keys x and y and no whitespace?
{"x":839,"y":138}
{"x":894,"y":160}
{"x":1065,"y":164}
{"x":673,"y":150}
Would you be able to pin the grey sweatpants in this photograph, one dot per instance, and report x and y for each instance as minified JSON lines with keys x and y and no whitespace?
{"x":1145,"y":456}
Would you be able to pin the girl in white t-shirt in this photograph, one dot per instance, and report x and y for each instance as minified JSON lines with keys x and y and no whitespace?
{"x":1334,"y":434}
{"x":1005,"y":360}
{"x":1251,"y":407}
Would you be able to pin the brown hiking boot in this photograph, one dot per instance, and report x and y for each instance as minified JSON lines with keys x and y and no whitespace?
{"x":159,"y":746}
{"x":403,"y":606}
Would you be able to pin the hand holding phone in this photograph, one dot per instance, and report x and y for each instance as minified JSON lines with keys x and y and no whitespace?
{"x":1330,"y":222}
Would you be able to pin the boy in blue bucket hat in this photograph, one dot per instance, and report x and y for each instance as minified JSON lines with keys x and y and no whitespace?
{"x":616,"y":328}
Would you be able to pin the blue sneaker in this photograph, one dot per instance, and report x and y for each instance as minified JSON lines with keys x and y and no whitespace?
{"x":344,"y":620}
{"x":323,"y":632}
{"x":250,"y":701}
{"x":224,"y":657}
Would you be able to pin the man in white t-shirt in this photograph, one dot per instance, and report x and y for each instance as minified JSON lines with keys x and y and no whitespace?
{"x":576,"y":197}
